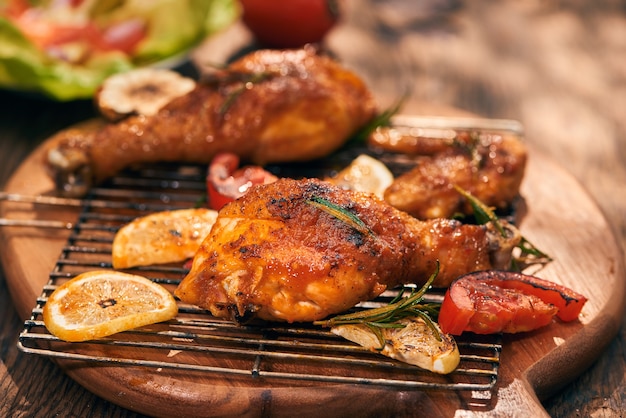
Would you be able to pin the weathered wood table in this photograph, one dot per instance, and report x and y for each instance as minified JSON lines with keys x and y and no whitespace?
{"x":558,"y":70}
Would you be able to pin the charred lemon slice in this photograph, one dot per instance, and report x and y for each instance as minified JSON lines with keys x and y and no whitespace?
{"x":100,"y":303}
{"x":161,"y":237}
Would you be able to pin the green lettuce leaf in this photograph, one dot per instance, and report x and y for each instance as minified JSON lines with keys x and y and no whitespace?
{"x":175,"y":26}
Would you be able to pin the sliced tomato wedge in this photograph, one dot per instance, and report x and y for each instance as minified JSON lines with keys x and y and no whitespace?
{"x":489,"y":302}
{"x":47,"y":33}
{"x":123,"y":36}
{"x":226,"y":182}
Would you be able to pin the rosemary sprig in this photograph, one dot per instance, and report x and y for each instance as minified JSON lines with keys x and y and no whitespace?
{"x":223,"y":76}
{"x":529,"y":253}
{"x":340,"y":213}
{"x":471,"y":147}
{"x":382,"y":119}
{"x":246,"y":84}
{"x":483,"y":213}
{"x":388,"y":316}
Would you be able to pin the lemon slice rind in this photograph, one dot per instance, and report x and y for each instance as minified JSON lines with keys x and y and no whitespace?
{"x":98,"y":304}
{"x":364,"y":174}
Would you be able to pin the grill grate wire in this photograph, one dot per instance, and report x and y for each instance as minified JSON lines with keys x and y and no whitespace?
{"x":197,"y":342}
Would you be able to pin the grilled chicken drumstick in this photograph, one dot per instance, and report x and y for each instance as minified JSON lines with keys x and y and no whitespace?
{"x":269,"y":106}
{"x":300,"y":250}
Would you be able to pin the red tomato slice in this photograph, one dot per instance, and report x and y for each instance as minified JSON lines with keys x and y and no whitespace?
{"x":45,"y":34}
{"x":123,"y":36}
{"x":14,"y":8}
{"x":489,"y":302}
{"x":226,"y":183}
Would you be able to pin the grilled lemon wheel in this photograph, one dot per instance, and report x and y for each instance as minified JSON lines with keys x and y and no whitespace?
{"x":161,"y":237}
{"x":364,"y":174}
{"x":100,"y":303}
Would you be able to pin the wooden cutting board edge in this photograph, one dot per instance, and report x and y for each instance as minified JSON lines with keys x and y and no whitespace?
{"x":539,"y":380}
{"x":567,"y":361}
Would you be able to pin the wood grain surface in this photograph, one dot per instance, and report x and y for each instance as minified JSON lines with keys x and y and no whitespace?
{"x":558,"y":68}
{"x":532,"y":364}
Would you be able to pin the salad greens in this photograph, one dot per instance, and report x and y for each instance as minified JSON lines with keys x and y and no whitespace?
{"x":173,"y":27}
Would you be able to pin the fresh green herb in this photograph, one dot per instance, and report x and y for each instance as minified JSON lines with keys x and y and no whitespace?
{"x":201,"y":201}
{"x":483,"y":213}
{"x":340,"y":213}
{"x":529,"y":253}
{"x":382,"y":119}
{"x":247,"y":82}
{"x":388,"y":316}
{"x":472,"y":147}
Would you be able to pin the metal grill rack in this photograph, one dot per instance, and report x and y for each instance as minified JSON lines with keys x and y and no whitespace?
{"x":195,"y":341}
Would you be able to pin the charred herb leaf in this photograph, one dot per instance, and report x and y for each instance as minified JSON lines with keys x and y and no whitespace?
{"x":382,"y":119}
{"x":340,"y":213}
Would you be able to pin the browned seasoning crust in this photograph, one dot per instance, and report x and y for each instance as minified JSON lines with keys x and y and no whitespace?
{"x":274,"y":255}
{"x":269,"y":106}
{"x":490,"y":166}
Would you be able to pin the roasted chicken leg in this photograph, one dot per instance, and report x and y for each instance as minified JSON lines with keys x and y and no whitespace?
{"x":488,"y":165}
{"x":300,"y":250}
{"x":269,"y":106}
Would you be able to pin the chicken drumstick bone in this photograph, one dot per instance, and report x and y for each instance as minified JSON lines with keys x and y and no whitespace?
{"x":269,"y":106}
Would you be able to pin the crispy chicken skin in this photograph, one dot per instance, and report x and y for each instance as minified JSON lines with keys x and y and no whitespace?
{"x":490,"y":166}
{"x":268,"y":106}
{"x":277,"y":254}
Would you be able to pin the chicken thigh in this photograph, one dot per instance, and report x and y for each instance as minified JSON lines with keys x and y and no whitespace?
{"x":269,"y":106}
{"x":300,"y":250}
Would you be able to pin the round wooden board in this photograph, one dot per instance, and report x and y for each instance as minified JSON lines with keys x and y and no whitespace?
{"x":561,"y":218}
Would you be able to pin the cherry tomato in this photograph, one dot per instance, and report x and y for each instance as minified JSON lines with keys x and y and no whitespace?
{"x":289,"y":23}
{"x":489,"y":302}
{"x":225,"y":182}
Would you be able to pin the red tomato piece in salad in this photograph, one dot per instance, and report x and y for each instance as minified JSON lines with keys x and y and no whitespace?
{"x":48,"y":32}
{"x":490,"y":302}
{"x":225,"y":182}
{"x":124,"y":36}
